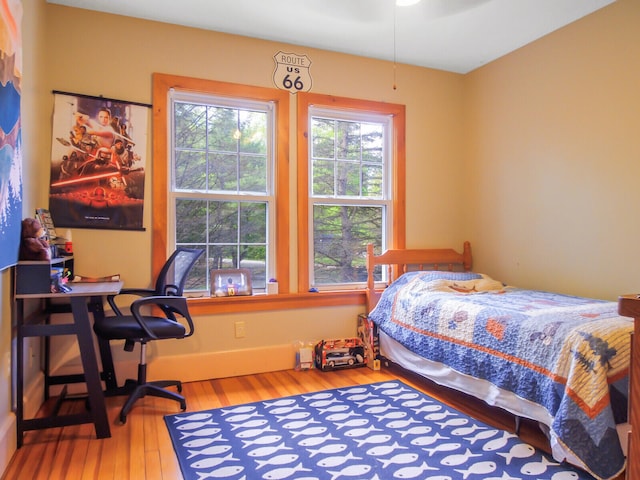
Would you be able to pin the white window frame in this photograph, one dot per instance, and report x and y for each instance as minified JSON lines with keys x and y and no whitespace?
{"x":269,"y":197}
{"x":386,"y":202}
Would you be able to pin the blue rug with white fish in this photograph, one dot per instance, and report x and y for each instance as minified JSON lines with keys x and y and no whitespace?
{"x":378,"y":431}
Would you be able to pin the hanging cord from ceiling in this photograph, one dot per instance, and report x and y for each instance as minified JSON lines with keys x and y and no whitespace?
{"x":395,"y":12}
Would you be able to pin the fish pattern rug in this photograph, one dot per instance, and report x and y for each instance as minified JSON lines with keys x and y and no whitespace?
{"x":378,"y":431}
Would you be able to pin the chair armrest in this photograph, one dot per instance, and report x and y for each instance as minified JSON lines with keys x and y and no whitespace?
{"x":140,"y":292}
{"x":143,"y":292}
{"x":169,"y":304}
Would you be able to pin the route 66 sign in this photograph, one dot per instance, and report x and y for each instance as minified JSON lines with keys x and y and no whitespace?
{"x":292,"y":72}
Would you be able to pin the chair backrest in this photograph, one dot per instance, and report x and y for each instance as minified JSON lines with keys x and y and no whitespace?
{"x":173,"y":275}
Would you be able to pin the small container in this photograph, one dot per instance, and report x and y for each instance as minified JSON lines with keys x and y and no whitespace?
{"x":272,"y":288}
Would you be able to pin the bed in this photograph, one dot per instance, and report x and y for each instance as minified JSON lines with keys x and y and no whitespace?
{"x":560,"y":360}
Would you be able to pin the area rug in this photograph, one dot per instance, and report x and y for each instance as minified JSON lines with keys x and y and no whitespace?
{"x":378,"y":431}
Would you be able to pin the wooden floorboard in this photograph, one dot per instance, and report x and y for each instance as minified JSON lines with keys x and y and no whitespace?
{"x":141,"y":448}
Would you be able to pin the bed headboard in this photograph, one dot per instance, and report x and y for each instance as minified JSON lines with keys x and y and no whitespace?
{"x":401,"y":261}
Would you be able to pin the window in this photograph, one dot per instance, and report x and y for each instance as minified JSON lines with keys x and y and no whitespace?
{"x":221,"y":181}
{"x":225,"y":182}
{"x":353,"y":174}
{"x":221,"y":194}
{"x":348,"y":192}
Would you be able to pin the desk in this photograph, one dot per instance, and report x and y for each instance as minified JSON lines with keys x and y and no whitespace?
{"x":81,"y":296}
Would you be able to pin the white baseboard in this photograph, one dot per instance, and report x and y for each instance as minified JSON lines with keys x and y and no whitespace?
{"x":232,"y":363}
{"x":32,"y":401}
{"x":197,"y":366}
{"x":8,"y":441}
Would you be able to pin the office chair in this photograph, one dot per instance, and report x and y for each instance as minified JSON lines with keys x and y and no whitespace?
{"x":169,"y":318}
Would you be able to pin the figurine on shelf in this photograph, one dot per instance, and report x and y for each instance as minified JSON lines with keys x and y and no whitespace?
{"x":33,"y":245}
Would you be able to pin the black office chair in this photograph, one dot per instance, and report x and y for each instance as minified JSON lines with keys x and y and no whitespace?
{"x":174,"y":321}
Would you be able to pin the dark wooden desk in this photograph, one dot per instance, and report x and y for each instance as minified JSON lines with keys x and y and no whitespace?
{"x":82,"y":295}
{"x":108,"y":375}
{"x":629,"y":306}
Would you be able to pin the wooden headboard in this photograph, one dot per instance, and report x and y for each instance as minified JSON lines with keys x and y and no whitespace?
{"x":401,"y":261}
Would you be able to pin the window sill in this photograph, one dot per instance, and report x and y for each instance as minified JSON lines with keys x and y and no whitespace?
{"x":281,"y":301}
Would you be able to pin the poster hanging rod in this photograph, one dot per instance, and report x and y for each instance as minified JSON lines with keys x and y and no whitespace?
{"x":93,"y":97}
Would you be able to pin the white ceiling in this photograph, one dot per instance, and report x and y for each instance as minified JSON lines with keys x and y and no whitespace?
{"x":452,"y":35}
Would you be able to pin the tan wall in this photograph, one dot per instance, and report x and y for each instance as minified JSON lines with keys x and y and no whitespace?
{"x":534,"y":157}
{"x":114,"y":56}
{"x":98,"y":54}
{"x":554,"y":158}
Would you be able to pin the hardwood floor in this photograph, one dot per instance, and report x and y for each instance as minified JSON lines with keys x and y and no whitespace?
{"x":141,"y":449}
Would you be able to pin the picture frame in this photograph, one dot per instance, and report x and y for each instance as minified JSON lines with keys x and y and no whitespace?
{"x":229,"y":282}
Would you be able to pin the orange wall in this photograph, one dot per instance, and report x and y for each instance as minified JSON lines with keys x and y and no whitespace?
{"x":553,"y":158}
{"x":115,"y":56}
{"x":92,"y":53}
{"x":534,"y":157}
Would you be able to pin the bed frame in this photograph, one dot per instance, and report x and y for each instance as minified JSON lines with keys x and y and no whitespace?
{"x":398,"y":262}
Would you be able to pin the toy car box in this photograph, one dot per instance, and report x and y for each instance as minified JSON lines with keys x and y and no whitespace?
{"x":368,"y":333}
{"x":340,"y":353}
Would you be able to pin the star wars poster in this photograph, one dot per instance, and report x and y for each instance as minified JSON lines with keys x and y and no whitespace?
{"x":98,"y":162}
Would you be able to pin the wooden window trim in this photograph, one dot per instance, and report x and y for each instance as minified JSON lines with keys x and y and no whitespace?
{"x":162,"y":83}
{"x":305,"y":101}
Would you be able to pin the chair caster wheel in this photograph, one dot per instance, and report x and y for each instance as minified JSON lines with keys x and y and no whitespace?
{"x":123,"y":419}
{"x":179,"y":388}
{"x":183,"y":406}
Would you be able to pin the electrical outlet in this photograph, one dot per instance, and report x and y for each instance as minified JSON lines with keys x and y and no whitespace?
{"x":240,"y":329}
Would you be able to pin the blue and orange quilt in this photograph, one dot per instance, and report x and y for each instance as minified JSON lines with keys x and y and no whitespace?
{"x":568,"y":354}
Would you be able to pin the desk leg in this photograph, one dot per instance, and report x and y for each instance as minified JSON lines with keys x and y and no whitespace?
{"x":108,"y":369}
{"x":90,"y":366}
{"x":20,"y":372}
